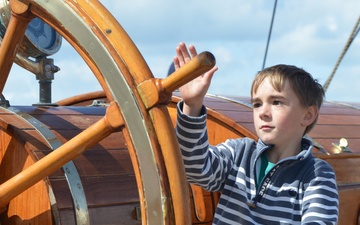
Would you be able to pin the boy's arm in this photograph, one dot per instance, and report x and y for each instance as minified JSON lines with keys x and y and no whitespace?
{"x":320,"y":202}
{"x":194,"y":91}
{"x":205,"y":165}
{"x":199,"y":160}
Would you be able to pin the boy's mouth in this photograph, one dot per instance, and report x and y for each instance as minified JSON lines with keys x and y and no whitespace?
{"x":265,"y":127}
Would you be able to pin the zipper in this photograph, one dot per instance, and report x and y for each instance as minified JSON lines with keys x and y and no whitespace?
{"x":264,"y":183}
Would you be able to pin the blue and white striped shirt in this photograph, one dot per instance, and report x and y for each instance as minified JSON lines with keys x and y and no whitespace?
{"x":299,"y":190}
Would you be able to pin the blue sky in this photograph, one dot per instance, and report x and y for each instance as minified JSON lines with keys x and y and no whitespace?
{"x":309,"y":34}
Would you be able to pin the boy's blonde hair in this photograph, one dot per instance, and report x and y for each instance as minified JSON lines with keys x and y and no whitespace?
{"x":306,"y":88}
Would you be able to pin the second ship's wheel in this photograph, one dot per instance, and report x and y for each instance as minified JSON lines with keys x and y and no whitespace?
{"x":137,"y":108}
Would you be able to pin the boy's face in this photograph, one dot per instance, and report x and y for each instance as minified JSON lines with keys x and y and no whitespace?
{"x":278,"y":116}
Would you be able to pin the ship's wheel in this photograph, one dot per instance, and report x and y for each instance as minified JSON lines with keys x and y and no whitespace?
{"x":137,"y":104}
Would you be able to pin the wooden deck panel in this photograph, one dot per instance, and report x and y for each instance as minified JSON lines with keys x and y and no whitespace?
{"x":119,"y":215}
{"x":33,"y":205}
{"x":105,"y":170}
{"x":100,"y":191}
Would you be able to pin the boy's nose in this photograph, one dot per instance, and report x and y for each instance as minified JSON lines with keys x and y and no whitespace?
{"x":264,"y":112}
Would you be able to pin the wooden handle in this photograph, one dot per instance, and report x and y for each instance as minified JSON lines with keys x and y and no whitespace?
{"x":199,"y":202}
{"x":197,"y":66}
{"x":155,"y":91}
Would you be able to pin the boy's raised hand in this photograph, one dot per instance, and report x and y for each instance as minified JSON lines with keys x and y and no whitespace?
{"x":193,"y":92}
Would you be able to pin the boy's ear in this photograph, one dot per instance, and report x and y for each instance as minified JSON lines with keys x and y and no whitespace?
{"x":310,"y":115}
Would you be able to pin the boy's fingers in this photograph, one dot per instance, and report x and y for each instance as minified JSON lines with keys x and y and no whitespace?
{"x":211,"y":73}
{"x":185,"y":53}
{"x":192,"y":50}
{"x":176,"y":63}
{"x":180,"y":55}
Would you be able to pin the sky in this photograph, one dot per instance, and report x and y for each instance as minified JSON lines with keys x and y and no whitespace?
{"x":306,"y":33}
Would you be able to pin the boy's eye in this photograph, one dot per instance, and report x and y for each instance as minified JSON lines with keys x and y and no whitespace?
{"x":277,"y":102}
{"x":256,"y":104}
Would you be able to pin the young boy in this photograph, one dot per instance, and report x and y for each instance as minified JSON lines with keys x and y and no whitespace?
{"x":274,"y":180}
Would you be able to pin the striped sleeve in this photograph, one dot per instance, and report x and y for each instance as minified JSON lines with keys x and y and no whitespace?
{"x":205,"y":165}
{"x":320,"y":201}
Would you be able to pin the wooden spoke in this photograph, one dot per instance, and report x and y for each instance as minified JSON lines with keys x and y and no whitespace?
{"x":155,"y":91}
{"x":14,"y":34}
{"x":56,"y":159}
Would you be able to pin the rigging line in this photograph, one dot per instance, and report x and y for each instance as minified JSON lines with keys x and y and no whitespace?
{"x":357,"y":31}
{"x":354,"y":32}
{"x":268,"y":40}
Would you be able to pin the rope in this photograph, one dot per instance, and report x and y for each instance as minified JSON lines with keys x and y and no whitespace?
{"x":268,"y":40}
{"x":354,"y":32}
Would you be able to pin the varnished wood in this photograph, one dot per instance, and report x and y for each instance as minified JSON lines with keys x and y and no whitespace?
{"x":209,"y":208}
{"x":135,"y":71}
{"x":20,"y":8}
{"x":174,"y":168}
{"x":56,"y":159}
{"x":198,"y":65}
{"x":119,"y":71}
{"x":12,"y":39}
{"x":159,"y":91}
{"x":105,"y":169}
{"x":199,"y":202}
{"x":15,"y":156}
{"x":348,"y":180}
{"x":79,"y":99}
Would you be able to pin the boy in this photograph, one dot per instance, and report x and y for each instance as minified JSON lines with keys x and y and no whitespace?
{"x":274,"y":180}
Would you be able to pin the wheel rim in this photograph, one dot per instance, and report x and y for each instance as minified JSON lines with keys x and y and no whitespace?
{"x":119,"y":68}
